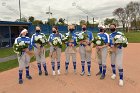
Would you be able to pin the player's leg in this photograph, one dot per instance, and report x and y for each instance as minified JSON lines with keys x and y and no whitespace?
{"x":83,"y":58}
{"x":21,"y":60}
{"x":104,"y":56}
{"x":27,"y":60}
{"x":113,"y":62}
{"x":74,"y":61}
{"x":58,"y":60}
{"x":52,"y":60}
{"x":43,"y":60}
{"x":88,"y":60}
{"x":38,"y":59}
{"x":67,"y":61}
{"x":98,"y":54}
{"x":119,"y":60}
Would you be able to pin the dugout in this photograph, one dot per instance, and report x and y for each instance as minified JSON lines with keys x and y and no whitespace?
{"x":11,"y":30}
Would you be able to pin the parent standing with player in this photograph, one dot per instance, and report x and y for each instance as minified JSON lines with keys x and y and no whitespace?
{"x":39,"y":51}
{"x":102,"y":51}
{"x":55,"y":51}
{"x":23,"y":57}
{"x":84,"y":53}
{"x":116,"y":54}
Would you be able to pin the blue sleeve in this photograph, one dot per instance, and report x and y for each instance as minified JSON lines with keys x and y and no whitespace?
{"x":111,"y":42}
{"x":32,"y":42}
{"x":90,"y":36}
{"x":30,"y":45}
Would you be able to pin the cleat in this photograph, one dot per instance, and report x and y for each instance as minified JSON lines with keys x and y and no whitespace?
{"x":58,"y":72}
{"x":89,"y":74}
{"x":40,"y":73}
{"x":102,"y":77}
{"x":82,"y":73}
{"x":29,"y":77}
{"x":46,"y":73}
{"x":113,"y":76}
{"x":20,"y":81}
{"x":121,"y":83}
{"x":99,"y":73}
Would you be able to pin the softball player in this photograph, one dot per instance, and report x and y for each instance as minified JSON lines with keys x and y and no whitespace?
{"x":71,"y":53}
{"x":39,"y":52}
{"x":57,"y":49}
{"x":116,"y":55}
{"x":102,"y":52}
{"x":24,"y":58}
{"x":85,"y":55}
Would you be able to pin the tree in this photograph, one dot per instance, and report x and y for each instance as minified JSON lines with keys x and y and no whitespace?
{"x":37,"y":22}
{"x":82,"y":22}
{"x":23,"y":19}
{"x":31,"y":19}
{"x":108,"y":21}
{"x":121,"y":14}
{"x":51,"y":21}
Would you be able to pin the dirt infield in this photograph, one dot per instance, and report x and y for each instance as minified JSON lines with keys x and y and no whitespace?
{"x":74,"y":83}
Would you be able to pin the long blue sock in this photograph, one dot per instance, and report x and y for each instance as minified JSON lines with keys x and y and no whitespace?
{"x":45,"y":67}
{"x":89,"y":66}
{"x":53,"y":66}
{"x":58,"y":65}
{"x":83,"y":66}
{"x":121,"y":74}
{"x":27,"y":71}
{"x":39,"y":66}
{"x":74,"y":65}
{"x":113,"y":69}
{"x":100,"y":68}
{"x":66,"y":65}
{"x":20,"y":74}
{"x":104,"y":69}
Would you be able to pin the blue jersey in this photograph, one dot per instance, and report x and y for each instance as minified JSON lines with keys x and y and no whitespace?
{"x":52,"y":36}
{"x":33,"y":38}
{"x":90,"y":35}
{"x":25,"y":39}
{"x":73,"y":38}
{"x":112,"y":35}
{"x":105,"y":37}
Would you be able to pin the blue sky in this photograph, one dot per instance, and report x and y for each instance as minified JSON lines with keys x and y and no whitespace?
{"x":73,"y":10}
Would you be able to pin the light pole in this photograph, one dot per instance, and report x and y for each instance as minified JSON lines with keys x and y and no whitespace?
{"x":49,"y":13}
{"x":20,"y":10}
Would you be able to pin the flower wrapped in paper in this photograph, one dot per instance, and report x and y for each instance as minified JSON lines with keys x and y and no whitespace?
{"x":20,"y":47}
{"x":41,"y":40}
{"x":98,"y":41}
{"x":82,"y":38}
{"x":120,"y":40}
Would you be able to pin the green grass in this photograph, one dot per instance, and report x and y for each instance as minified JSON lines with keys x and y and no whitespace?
{"x":5,"y":52}
{"x":14,"y":63}
{"x":133,"y":37}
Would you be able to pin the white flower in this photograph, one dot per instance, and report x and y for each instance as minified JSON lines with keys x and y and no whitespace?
{"x":98,"y":42}
{"x":40,"y":36}
{"x":36,"y":38}
{"x":21,"y":43}
{"x":118,"y":36}
{"x":42,"y":40}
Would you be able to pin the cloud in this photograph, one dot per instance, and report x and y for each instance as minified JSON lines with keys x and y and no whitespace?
{"x":61,"y":8}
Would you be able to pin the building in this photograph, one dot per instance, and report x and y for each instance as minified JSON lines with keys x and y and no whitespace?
{"x":10,"y":30}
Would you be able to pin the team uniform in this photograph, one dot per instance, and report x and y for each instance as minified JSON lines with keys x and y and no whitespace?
{"x":71,"y":53}
{"x":58,"y":52}
{"x":116,"y":57}
{"x":39,"y":54}
{"x":102,"y":53}
{"x":85,"y":55}
{"x":23,"y":58}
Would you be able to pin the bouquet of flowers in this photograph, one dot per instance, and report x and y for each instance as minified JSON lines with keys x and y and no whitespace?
{"x":98,"y":41}
{"x":41,"y":40}
{"x":67,"y":37}
{"x":57,"y":42}
{"x":19,"y":47}
{"x":120,"y":40}
{"x":81,"y":36}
